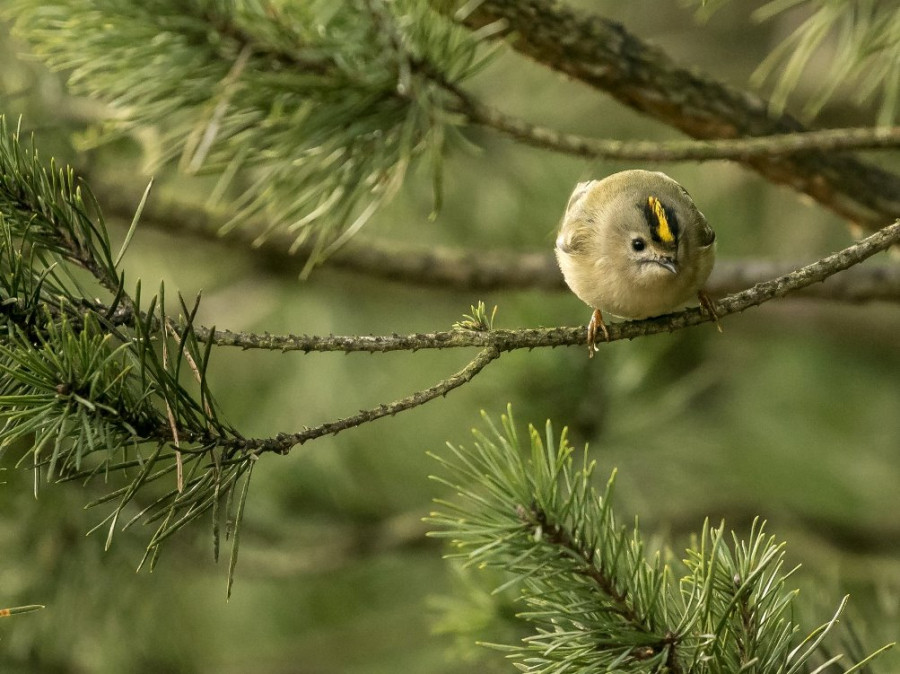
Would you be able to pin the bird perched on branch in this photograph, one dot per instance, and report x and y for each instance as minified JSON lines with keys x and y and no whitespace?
{"x":634,"y":245}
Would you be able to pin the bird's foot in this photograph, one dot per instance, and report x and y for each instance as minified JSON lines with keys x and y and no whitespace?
{"x":709,"y":307}
{"x":595,"y":324}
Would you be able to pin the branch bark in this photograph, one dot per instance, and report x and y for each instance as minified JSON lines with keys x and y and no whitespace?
{"x":604,"y":55}
{"x":283,"y":443}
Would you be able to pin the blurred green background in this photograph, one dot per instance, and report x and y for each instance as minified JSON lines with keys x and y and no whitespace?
{"x":792,"y":415}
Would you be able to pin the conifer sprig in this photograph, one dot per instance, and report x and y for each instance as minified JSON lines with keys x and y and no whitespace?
{"x":320,"y":107}
{"x":593,"y":597}
{"x":91,"y":387}
{"x":860,"y":39}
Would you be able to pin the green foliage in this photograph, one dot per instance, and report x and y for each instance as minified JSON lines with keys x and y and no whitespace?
{"x":594,"y":599}
{"x":478,"y":319}
{"x":67,"y":390}
{"x":98,"y":387}
{"x":317,"y":107}
{"x":15,"y":610}
{"x":863,"y":40}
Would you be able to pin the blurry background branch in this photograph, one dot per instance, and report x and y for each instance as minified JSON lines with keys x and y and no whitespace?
{"x":461,"y":269}
{"x":738,"y":149}
{"x":604,"y":55}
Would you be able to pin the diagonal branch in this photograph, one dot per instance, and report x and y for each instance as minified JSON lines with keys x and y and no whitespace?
{"x":530,"y":338}
{"x":283,"y":442}
{"x":602,"y":54}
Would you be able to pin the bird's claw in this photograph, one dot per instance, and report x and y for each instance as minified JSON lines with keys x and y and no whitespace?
{"x":596,"y":322}
{"x":709,"y":306}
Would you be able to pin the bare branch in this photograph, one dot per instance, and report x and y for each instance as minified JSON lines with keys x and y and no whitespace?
{"x":283,"y":443}
{"x":494,"y":342}
{"x":741,"y":149}
{"x":602,"y":54}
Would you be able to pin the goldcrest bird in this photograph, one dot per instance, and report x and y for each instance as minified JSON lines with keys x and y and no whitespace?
{"x":634,"y":245}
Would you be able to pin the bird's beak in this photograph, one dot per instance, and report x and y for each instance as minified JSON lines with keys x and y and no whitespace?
{"x":668,"y":263}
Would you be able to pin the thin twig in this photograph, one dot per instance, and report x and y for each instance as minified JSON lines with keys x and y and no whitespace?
{"x":770,"y":145}
{"x":283,"y":442}
{"x":173,"y":425}
{"x":740,"y":149}
{"x":508,"y":340}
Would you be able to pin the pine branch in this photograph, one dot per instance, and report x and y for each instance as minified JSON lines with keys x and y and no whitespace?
{"x":588,"y":593}
{"x":81,"y":381}
{"x":97,"y":386}
{"x":318,"y":111}
{"x":509,"y":340}
{"x":531,"y":514}
{"x":603,"y":54}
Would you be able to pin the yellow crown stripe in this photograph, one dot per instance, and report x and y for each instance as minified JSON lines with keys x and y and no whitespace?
{"x":665,"y":232}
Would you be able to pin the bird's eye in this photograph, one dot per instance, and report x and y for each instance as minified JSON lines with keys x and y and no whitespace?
{"x":638,"y":244}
